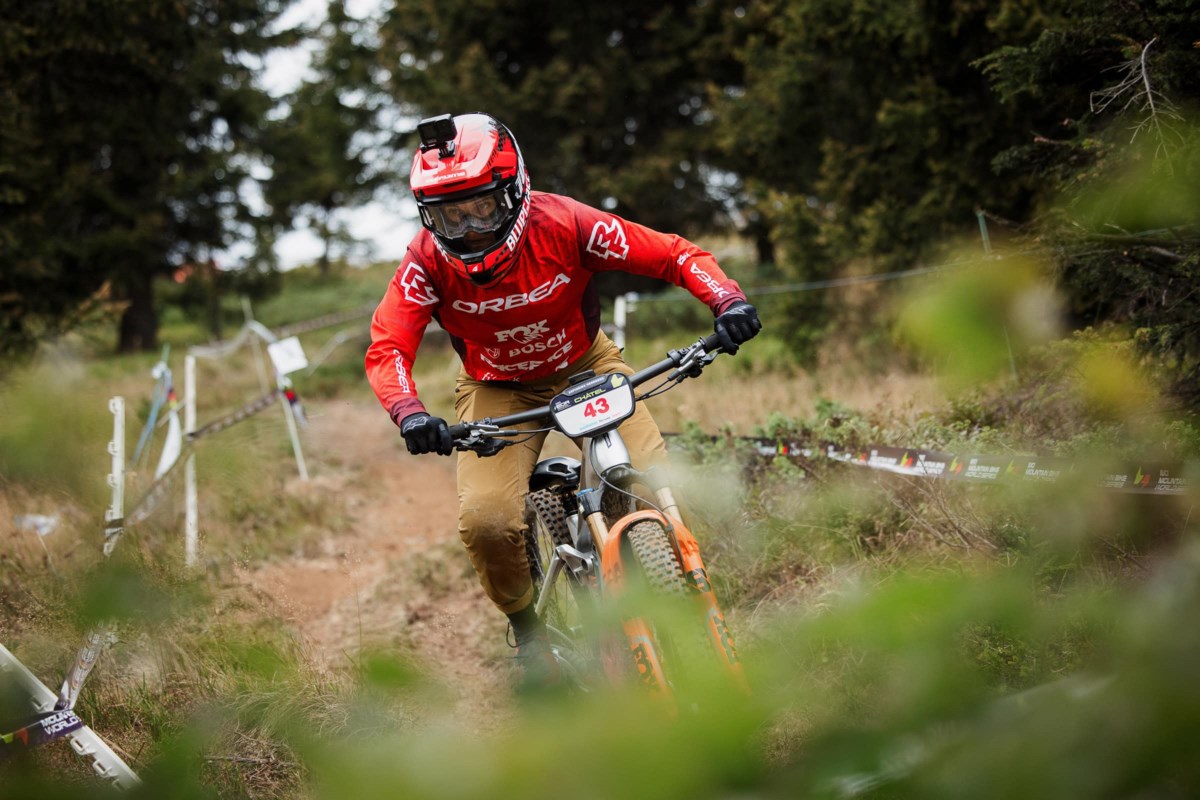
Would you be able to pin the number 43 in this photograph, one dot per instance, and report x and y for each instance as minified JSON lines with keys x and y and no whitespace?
{"x":598,"y":406}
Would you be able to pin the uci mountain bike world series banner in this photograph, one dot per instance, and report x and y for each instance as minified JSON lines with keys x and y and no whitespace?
{"x":1139,"y":478}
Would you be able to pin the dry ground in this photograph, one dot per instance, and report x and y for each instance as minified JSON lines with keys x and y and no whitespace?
{"x":395,"y":574}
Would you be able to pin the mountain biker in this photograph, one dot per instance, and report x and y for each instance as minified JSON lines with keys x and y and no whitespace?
{"x":507,"y":273}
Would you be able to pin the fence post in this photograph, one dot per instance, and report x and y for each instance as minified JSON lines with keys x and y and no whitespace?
{"x":116,"y":449}
{"x":290,"y":416}
{"x":191,"y":524}
{"x":981,"y":215}
{"x":623,"y":304}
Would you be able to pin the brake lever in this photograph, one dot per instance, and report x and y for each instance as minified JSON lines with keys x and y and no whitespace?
{"x":482,"y":445}
{"x":690,"y":366}
{"x":489,"y":447}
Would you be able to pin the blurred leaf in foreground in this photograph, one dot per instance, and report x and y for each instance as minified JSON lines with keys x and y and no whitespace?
{"x":975,"y":324}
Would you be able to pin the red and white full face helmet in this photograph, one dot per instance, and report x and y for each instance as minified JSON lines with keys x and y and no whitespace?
{"x":472,"y":188}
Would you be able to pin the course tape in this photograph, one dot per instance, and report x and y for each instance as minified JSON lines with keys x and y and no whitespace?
{"x":243,"y":413}
{"x":336,"y":318}
{"x":223,"y":349}
{"x":1140,"y":478}
{"x":161,"y":488}
{"x":49,"y":724}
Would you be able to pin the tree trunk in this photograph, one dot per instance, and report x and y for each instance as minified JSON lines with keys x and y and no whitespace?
{"x":326,"y":231}
{"x":323,"y":261}
{"x":139,"y":323}
{"x":763,"y":245}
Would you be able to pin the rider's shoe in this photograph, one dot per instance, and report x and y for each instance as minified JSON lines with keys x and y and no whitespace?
{"x":540,"y":670}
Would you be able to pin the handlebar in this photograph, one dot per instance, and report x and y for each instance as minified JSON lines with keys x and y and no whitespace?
{"x":684,"y":359}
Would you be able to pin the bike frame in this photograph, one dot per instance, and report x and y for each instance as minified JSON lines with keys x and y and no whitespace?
{"x":606,"y":461}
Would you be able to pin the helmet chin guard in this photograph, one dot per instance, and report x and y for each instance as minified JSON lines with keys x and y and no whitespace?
{"x":472,"y":189}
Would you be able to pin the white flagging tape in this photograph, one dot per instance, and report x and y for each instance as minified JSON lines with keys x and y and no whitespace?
{"x":252,"y":328}
{"x":224,"y":349}
{"x":84,"y":741}
{"x":335,"y":342}
{"x":114,"y":518}
{"x":229,"y":420}
{"x":172,"y":445}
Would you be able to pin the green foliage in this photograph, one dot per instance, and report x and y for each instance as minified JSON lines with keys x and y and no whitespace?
{"x":1117,"y":154}
{"x":325,"y":153}
{"x":978,"y":321}
{"x":42,"y":425}
{"x":607,"y":101}
{"x":904,"y":638}
{"x":125,"y":125}
{"x":870,"y":123}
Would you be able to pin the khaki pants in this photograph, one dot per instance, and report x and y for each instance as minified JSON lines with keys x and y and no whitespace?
{"x":491,"y":491}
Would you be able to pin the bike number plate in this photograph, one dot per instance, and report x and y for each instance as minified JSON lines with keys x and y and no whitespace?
{"x":598,"y":404}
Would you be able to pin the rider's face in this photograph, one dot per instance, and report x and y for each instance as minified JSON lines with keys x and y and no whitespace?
{"x":479,"y":207}
{"x":475,"y":221}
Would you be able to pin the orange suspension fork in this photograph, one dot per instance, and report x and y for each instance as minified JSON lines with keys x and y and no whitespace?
{"x":637,"y":632}
{"x":688,"y":552}
{"x":706,"y":598}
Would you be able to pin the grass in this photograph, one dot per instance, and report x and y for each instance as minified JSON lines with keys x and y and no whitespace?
{"x":903,"y":637}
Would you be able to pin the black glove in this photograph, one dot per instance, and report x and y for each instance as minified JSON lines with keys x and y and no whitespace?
{"x":738,"y":325}
{"x":425,"y":434}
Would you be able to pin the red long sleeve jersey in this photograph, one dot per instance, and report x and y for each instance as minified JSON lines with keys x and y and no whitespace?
{"x":542,"y":315}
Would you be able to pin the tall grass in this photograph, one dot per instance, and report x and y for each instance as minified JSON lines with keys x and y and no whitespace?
{"x":902,"y":637}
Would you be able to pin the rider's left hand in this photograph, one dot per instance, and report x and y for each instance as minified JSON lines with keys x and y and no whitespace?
{"x":738,"y":325}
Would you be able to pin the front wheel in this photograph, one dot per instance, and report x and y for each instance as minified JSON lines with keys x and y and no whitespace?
{"x":679,"y":626}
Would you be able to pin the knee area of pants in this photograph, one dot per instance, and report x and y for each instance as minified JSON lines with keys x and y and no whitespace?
{"x":490,"y":518}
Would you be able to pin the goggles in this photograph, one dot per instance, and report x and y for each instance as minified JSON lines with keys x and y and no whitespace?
{"x":481,"y":213}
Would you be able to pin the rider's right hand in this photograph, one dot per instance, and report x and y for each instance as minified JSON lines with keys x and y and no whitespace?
{"x":426,"y":434}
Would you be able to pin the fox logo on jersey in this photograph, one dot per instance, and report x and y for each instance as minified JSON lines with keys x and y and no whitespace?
{"x":523,"y":334}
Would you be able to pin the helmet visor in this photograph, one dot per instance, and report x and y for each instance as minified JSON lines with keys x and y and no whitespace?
{"x":483,"y":213}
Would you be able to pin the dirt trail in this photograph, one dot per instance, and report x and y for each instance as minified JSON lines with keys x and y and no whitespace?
{"x":394,"y":574}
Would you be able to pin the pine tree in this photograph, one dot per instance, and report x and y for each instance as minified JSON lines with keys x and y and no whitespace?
{"x":326,"y":153}
{"x":124,"y":123}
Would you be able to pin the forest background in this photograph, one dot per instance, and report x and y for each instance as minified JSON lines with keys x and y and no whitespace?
{"x":1027,"y":171}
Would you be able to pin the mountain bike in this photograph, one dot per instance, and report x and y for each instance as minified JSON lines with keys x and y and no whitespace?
{"x":600,"y":531}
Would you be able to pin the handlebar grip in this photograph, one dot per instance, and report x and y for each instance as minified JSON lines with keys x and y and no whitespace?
{"x":711,"y":342}
{"x":459,"y":431}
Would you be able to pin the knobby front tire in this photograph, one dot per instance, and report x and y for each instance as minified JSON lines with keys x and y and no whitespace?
{"x":684,"y":650}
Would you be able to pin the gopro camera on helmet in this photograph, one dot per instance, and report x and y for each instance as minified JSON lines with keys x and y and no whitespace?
{"x":438,"y":132}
